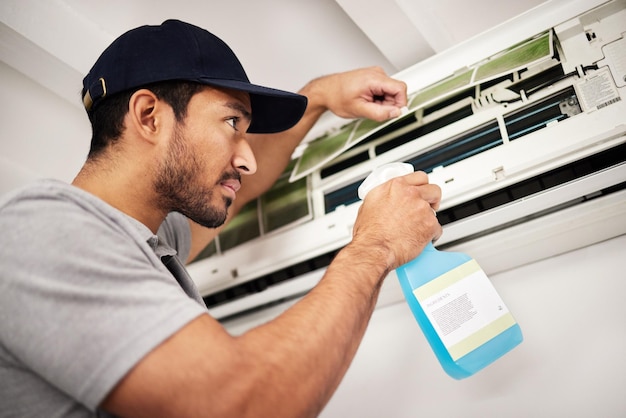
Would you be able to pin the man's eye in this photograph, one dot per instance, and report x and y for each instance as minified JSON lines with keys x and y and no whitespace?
{"x":233,"y":122}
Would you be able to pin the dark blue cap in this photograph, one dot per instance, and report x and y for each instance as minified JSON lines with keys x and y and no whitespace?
{"x":177,"y":50}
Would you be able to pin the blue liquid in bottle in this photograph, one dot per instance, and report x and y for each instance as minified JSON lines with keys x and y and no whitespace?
{"x":484,"y":344}
{"x":461,"y":314}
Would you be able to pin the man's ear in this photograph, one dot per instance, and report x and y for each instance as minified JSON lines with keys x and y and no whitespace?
{"x":145,"y":112}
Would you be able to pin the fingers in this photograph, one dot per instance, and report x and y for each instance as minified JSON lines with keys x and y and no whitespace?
{"x":416,"y":178}
{"x":415,"y":185}
{"x":364,"y":93}
{"x":439,"y":229}
{"x":388,"y":91}
{"x":431,"y":193}
{"x":379,"y":112}
{"x":385,"y":96}
{"x":423,"y":190}
{"x":399,"y":215}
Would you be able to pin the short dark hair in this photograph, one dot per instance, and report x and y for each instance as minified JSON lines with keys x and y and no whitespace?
{"x":107,"y":120}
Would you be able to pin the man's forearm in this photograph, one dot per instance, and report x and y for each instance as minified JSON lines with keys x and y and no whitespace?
{"x":313,"y":343}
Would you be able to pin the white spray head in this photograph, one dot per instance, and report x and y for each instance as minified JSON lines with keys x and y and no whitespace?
{"x":382,"y":174}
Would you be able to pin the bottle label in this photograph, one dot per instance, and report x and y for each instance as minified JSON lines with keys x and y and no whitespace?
{"x":464,"y":308}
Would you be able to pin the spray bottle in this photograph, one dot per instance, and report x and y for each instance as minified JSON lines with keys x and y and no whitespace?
{"x":465,"y":321}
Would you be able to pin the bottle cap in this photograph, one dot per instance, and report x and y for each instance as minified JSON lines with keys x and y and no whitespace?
{"x":382,"y":174}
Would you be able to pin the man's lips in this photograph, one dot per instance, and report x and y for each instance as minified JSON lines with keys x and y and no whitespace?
{"x":232,"y":184}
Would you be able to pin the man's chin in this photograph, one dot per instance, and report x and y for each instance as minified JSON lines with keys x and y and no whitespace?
{"x":211,"y":224}
{"x":210,"y":220}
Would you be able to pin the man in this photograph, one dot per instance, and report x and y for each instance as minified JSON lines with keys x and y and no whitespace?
{"x":98,"y":315}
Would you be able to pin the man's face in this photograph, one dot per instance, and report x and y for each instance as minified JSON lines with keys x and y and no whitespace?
{"x":205,"y":157}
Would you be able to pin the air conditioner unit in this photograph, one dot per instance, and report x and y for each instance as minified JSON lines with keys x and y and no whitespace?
{"x":526,"y":136}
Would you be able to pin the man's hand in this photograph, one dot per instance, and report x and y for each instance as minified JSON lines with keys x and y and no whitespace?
{"x":397,"y":219}
{"x":364,"y":93}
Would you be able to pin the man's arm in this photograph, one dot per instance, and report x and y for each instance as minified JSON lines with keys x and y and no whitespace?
{"x":364,"y":93}
{"x":290,"y":366}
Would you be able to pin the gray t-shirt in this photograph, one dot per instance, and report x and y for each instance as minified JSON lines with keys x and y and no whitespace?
{"x":84,"y":296}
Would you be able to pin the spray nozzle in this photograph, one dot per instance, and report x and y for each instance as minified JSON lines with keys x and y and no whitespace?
{"x":382,"y":174}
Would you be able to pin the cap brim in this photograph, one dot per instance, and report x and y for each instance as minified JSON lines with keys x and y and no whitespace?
{"x":273,"y":110}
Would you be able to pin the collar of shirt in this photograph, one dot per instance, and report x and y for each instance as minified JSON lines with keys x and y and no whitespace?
{"x":159,"y":247}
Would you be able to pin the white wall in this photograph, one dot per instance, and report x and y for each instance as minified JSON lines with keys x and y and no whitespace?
{"x":41,"y":135}
{"x":571,"y":363}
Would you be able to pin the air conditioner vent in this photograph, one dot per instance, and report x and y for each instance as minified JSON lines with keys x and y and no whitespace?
{"x":538,"y":81}
{"x":529,"y":119}
{"x":263,"y":282}
{"x":542,"y":182}
{"x":424,"y":129}
{"x":547,"y":180}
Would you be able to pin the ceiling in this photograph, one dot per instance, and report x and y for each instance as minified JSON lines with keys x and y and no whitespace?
{"x":281,"y":43}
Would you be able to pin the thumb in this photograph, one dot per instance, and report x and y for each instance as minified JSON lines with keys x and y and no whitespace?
{"x":379,"y":112}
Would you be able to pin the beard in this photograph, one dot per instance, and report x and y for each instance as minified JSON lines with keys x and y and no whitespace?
{"x":179,"y":187}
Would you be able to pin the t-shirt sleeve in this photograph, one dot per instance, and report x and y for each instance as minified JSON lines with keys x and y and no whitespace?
{"x":82,"y":300}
